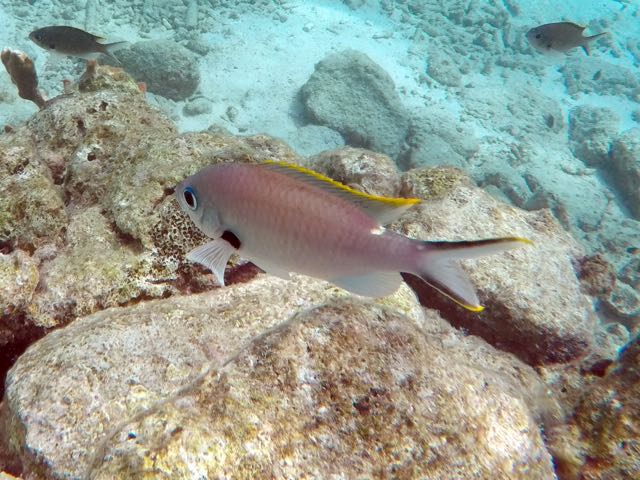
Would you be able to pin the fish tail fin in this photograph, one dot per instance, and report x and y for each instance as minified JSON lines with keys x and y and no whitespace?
{"x":109,"y":49}
{"x":438,"y":266}
{"x":588,"y":40}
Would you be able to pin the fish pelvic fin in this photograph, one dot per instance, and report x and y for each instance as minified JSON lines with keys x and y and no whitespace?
{"x":384,"y":210}
{"x":213,"y":255}
{"x":438,"y":266}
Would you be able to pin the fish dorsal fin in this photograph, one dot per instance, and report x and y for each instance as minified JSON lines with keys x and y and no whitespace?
{"x":384,"y":210}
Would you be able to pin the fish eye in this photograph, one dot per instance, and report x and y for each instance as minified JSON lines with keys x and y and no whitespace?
{"x":190,"y":198}
{"x":538,"y":36}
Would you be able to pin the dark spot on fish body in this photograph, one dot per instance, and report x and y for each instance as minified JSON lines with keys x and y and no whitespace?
{"x":231,"y":238}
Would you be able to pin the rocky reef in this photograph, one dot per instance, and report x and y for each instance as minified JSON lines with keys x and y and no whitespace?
{"x":145,"y":368}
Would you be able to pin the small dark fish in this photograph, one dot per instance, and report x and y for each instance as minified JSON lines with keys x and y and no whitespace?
{"x":560,"y":37}
{"x":633,"y":250}
{"x":73,"y":42}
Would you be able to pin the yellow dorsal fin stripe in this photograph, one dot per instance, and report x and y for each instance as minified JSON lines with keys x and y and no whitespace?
{"x":391,"y":201}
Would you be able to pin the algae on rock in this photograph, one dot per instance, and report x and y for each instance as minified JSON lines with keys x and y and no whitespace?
{"x":270,"y":386}
{"x":88,"y":190}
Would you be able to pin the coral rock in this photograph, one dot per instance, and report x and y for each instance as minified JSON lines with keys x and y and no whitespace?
{"x":591,"y":132}
{"x":370,"y":172}
{"x":350,"y":93}
{"x":339,"y":387}
{"x":436,"y":140}
{"x":594,"y":75}
{"x":313,"y":139}
{"x":602,"y":441}
{"x":31,"y":205}
{"x":512,"y":285}
{"x":625,"y":159}
{"x":597,"y":276}
{"x":167,"y":68}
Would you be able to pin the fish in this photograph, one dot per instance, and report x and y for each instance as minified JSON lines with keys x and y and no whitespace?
{"x":560,"y":37}
{"x":286,"y":218}
{"x":74,"y":42}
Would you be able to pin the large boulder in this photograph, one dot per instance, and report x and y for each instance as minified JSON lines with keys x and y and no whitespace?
{"x":31,"y":204}
{"x":595,"y":75}
{"x":535,"y":308}
{"x":591,"y":133}
{"x":602,"y":440}
{"x":352,"y":94}
{"x":436,"y":139}
{"x":87,"y":215}
{"x":364,"y":170}
{"x":625,"y":160}
{"x":313,"y":139}
{"x":167,"y":68}
{"x":230,"y":383}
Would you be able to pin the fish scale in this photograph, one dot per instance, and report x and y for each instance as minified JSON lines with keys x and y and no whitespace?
{"x":301,"y":228}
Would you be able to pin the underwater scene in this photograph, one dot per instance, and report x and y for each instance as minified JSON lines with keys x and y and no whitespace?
{"x":286,"y":239}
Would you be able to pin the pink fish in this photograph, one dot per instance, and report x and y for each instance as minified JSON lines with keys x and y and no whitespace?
{"x":285,"y":218}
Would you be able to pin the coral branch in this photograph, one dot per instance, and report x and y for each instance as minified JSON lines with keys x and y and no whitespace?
{"x":23,"y":75}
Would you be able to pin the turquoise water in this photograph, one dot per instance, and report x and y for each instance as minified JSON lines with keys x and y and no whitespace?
{"x":555,"y":130}
{"x":468,"y":64}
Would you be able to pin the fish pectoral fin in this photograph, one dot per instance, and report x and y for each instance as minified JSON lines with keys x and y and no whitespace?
{"x":271,"y":269}
{"x":213,"y":255}
{"x":375,"y":284}
{"x":384,"y":210}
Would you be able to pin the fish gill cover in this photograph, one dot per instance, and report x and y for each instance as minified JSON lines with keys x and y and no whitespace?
{"x":504,"y":117}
